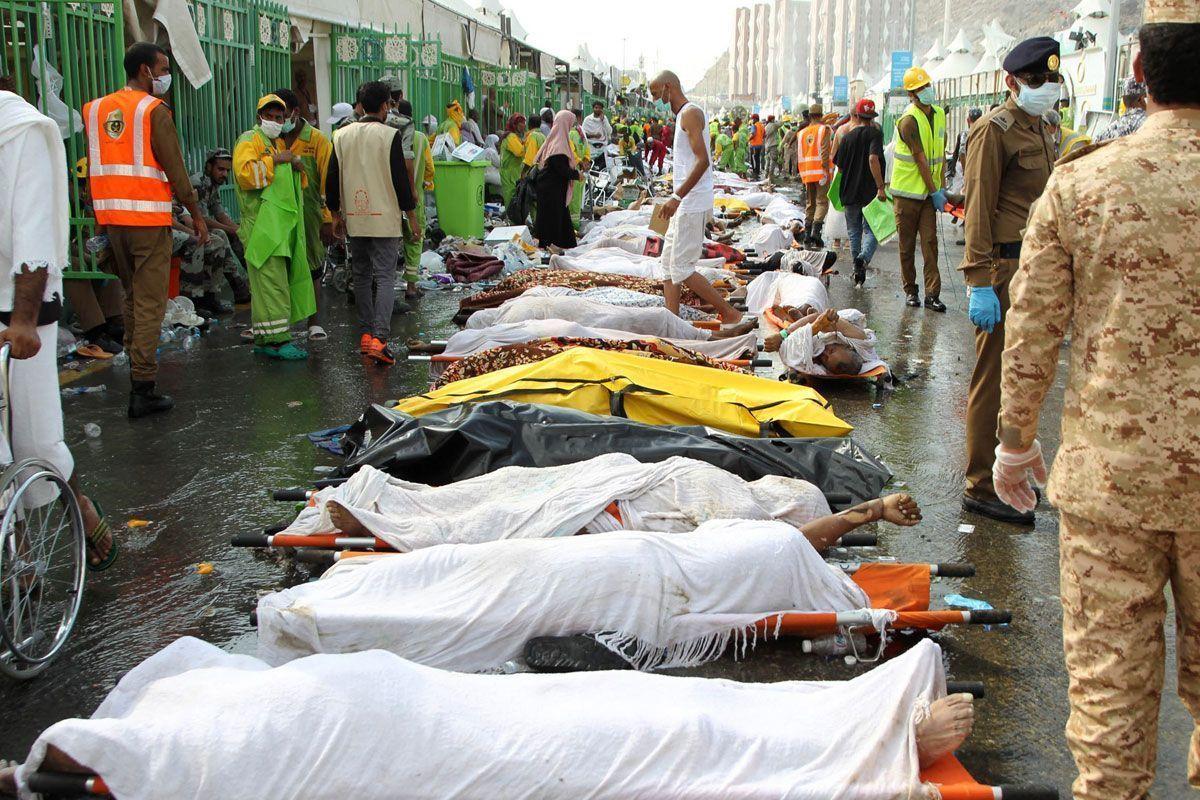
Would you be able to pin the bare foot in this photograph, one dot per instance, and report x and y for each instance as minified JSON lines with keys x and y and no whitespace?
{"x":91,"y":518}
{"x":948,"y":725}
{"x":737,"y":330}
{"x":344,"y":521}
{"x":901,"y":509}
{"x":8,"y":778}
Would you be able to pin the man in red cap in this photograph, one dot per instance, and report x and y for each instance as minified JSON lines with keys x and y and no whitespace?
{"x":859,"y":157}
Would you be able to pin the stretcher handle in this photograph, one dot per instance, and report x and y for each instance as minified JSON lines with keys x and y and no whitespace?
{"x":315,"y":556}
{"x":955,"y":570}
{"x":1028,"y":792}
{"x":290,"y":495}
{"x":838,"y":498}
{"x":67,"y":784}
{"x":251,"y":540}
{"x":325,"y":483}
{"x":973,"y":688}
{"x":278,"y":527}
{"x":859,"y":540}
{"x":990,"y":616}
{"x":760,"y":362}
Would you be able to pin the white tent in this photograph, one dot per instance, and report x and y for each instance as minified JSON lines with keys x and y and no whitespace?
{"x":933,"y":57}
{"x":882,"y":86}
{"x":989,"y":63}
{"x":995,"y":40}
{"x":958,"y":61}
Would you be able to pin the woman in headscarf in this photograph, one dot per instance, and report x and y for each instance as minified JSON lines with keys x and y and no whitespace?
{"x":512,"y":156}
{"x":491,"y":176}
{"x":558,"y":169}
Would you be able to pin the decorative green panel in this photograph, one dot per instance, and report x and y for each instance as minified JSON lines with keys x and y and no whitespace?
{"x":365,"y":54}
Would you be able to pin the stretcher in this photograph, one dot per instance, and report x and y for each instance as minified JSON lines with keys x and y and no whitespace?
{"x":947,"y":773}
{"x":748,"y":363}
{"x":878,"y":375}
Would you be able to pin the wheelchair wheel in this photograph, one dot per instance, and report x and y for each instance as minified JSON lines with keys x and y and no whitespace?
{"x":43,"y":557}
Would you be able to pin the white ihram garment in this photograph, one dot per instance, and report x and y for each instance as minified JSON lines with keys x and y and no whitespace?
{"x":785,"y":289}
{"x":467,"y":342}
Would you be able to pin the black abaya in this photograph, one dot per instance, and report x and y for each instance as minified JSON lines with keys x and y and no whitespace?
{"x":553,"y":222}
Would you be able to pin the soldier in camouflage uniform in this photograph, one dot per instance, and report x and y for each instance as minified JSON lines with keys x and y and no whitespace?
{"x":225,"y":249}
{"x":1112,"y":253}
{"x":202,"y":266}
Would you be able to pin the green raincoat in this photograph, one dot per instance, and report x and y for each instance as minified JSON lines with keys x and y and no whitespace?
{"x":314,"y":200}
{"x":412,"y":250}
{"x":510,"y":167}
{"x":725,"y":145}
{"x":584,"y":153}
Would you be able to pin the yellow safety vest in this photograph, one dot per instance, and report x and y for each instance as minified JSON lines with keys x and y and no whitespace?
{"x":906,"y":178}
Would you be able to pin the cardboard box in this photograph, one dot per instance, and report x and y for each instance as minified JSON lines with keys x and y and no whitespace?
{"x":508,"y":233}
{"x":659,"y":221}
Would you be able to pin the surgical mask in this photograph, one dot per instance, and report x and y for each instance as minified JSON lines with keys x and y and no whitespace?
{"x":1036,"y":102}
{"x":927,"y":95}
{"x":160,"y":85}
{"x":271,"y":128}
{"x":289,"y":126}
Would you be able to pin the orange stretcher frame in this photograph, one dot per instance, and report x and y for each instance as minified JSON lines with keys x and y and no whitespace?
{"x":870,"y":375}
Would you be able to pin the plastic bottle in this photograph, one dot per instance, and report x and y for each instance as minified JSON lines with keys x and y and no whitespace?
{"x":119,"y":359}
{"x":72,"y":391}
{"x":92,"y":430}
{"x":836,"y":644}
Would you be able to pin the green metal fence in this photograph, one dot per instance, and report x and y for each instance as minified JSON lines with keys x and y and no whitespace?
{"x":59,"y":55}
{"x":365,"y":54}
{"x":425,"y":71}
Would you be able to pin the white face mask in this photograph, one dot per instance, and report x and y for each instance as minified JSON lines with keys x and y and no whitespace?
{"x":927,"y":95}
{"x":271,"y":128}
{"x":289,"y":126}
{"x":1036,"y":102}
{"x":160,"y":85}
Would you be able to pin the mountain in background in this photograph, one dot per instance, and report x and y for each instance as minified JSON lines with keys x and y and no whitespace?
{"x":1016,"y":17}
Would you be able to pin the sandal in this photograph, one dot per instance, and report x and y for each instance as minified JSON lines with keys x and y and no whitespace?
{"x":286,"y":352}
{"x":97,"y":536}
{"x":92,"y":351}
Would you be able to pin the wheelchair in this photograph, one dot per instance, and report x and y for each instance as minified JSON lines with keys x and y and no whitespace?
{"x":43,"y":555}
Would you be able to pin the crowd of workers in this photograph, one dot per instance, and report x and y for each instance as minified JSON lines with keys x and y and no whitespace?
{"x":1061,"y":236}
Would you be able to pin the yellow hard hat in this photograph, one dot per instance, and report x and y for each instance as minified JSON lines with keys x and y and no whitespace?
{"x":915,"y":78}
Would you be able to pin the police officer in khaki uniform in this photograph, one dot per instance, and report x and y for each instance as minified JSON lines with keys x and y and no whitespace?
{"x":1112,"y":253}
{"x":1009,"y":157}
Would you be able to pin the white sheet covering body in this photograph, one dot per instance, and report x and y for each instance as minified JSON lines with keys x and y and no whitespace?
{"x":541,"y":502}
{"x":193,"y":721}
{"x":787,"y":289}
{"x":466,"y":342}
{"x":618,"y":261}
{"x":643,"y":321}
{"x":782,"y":211}
{"x":616,"y":296}
{"x":678,"y":598}
{"x":769,"y":239}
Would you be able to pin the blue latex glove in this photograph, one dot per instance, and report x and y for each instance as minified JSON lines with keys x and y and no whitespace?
{"x":984,"y":308}
{"x":939,"y":200}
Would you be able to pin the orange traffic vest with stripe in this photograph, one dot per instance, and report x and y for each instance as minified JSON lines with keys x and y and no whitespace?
{"x":127,"y":183}
{"x":810,"y":143}
{"x":756,"y":138}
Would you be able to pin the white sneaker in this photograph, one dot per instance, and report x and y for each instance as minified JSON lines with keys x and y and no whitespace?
{"x":316,"y":334}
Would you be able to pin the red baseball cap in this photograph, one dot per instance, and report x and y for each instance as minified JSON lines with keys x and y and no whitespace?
{"x":865,"y":108}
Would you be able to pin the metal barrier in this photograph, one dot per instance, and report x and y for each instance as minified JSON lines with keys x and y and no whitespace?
{"x":73,"y":49}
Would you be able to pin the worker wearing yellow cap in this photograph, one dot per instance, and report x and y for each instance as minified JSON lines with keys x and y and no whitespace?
{"x":270,"y":182}
{"x":918,"y":187}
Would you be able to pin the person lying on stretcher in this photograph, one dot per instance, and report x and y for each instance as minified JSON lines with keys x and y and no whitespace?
{"x":195,"y":722}
{"x":821,"y":533}
{"x":833,"y":341}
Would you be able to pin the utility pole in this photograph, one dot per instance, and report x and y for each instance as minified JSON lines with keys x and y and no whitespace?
{"x":945,"y":23}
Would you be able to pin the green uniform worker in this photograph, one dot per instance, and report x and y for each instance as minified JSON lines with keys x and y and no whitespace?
{"x":741,"y":150}
{"x":281,"y":290}
{"x":423,"y":180}
{"x":724,"y":152}
{"x":314,"y":151}
{"x":583,"y":152}
{"x":512,"y":157}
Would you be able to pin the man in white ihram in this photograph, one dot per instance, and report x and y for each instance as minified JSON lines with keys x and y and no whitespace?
{"x":33,"y":255}
{"x":690,"y":206}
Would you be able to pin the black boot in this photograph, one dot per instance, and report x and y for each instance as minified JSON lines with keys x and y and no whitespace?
{"x":934,"y":304}
{"x":807,"y":235}
{"x":240,"y":287}
{"x":144,"y":401}
{"x":817,"y":241}
{"x":860,"y":272}
{"x":212,"y":304}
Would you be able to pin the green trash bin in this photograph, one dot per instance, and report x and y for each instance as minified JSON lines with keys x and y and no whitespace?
{"x":458,"y":191}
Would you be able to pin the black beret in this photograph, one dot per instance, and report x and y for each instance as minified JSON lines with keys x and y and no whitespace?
{"x":1039,"y":54}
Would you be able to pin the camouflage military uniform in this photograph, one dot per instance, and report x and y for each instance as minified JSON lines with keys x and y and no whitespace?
{"x":201,"y":268}
{"x":1113,"y":253}
{"x":221,"y":249}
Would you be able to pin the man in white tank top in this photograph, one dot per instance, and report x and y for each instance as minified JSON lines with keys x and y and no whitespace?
{"x":690,"y":206}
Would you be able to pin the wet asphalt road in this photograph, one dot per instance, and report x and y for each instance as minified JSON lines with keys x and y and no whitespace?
{"x":202,"y":473}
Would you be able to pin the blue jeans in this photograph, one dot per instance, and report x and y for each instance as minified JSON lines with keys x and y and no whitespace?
{"x":862,"y":238}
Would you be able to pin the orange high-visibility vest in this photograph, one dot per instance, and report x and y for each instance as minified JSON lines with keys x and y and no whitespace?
{"x":127,"y":183}
{"x":810,"y":143}
{"x":756,"y":138}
